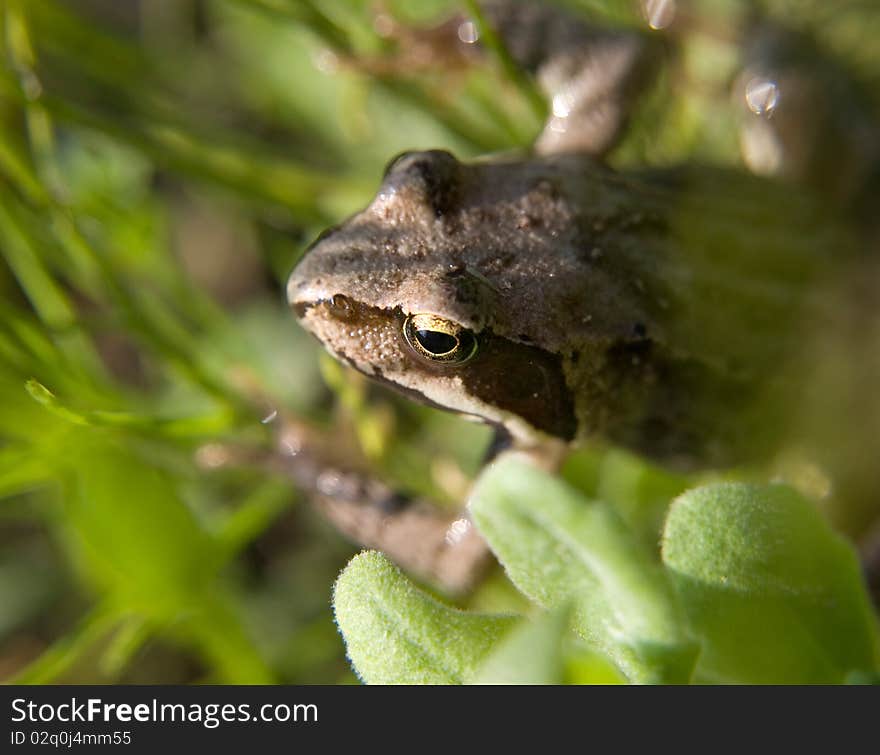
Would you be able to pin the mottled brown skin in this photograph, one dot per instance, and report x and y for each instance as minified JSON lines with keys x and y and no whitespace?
{"x":492,"y":247}
{"x":595,"y":314}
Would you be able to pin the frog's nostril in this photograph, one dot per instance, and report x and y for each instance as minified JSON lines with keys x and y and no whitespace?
{"x":340,"y":307}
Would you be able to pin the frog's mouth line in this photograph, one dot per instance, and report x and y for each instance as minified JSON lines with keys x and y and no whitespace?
{"x":507,"y":377}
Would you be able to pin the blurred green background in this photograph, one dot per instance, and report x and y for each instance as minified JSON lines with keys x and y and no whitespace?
{"x":163,"y":164}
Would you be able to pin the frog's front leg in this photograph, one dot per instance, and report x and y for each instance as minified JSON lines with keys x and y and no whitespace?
{"x":592,"y":76}
{"x":435,"y":544}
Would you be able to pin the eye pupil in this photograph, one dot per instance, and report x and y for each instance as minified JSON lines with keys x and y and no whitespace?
{"x":436,"y":342}
{"x":439,"y":340}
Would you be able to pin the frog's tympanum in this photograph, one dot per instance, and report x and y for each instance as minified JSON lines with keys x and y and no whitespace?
{"x":559,"y":300}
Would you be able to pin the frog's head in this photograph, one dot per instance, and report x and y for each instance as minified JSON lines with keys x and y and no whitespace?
{"x":449,"y":286}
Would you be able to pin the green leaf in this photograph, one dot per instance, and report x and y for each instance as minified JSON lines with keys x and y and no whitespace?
{"x":584,"y":665}
{"x":21,"y":470}
{"x":530,"y":654}
{"x":558,"y":546}
{"x":773,"y":593}
{"x":397,"y":634}
{"x":182,"y":426}
{"x":863,"y":678}
{"x":639,"y":491}
{"x":134,"y":537}
{"x":129,"y":528}
{"x":512,"y":70}
{"x":67,"y":651}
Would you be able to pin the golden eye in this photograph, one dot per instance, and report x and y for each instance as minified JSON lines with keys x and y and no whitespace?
{"x":439,"y":340}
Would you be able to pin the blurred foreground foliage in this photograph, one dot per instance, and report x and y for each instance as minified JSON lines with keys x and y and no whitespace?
{"x":162,"y":166}
{"x":753,"y":587}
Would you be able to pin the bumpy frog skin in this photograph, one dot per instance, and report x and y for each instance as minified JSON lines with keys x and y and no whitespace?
{"x":589,"y":302}
{"x":502,"y":249}
{"x":492,"y":247}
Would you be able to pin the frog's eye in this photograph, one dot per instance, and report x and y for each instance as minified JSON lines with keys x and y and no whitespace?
{"x":439,"y":340}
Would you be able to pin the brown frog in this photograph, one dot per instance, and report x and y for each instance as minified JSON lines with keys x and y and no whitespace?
{"x":562,"y":301}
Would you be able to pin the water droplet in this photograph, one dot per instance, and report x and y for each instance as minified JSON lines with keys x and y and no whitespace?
{"x":468,"y":32}
{"x":762,"y":95}
{"x":659,"y":13}
{"x":326,"y":61}
{"x":563,"y":102}
{"x":457,"y":531}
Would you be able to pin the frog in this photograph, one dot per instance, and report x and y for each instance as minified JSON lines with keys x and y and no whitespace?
{"x":564,"y":302}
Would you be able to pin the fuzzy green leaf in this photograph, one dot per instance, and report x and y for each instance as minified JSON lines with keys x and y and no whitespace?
{"x":773,"y":593}
{"x":530,"y":654}
{"x":397,"y":634}
{"x":557,"y":546}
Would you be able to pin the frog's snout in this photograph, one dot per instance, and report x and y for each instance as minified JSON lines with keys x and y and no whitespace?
{"x":306,"y":283}
{"x":297,"y":296}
